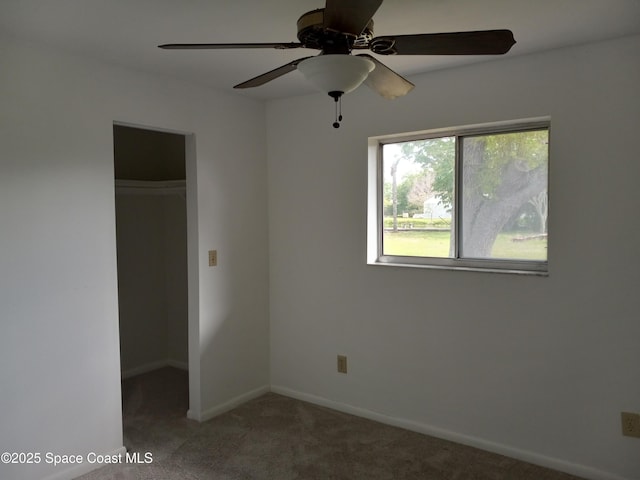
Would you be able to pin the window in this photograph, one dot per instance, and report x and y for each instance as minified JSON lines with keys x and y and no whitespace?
{"x":470,"y":198}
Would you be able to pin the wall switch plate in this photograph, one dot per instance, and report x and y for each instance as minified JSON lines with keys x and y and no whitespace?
{"x":342,"y":364}
{"x":630,"y":424}
{"x":213,"y":258}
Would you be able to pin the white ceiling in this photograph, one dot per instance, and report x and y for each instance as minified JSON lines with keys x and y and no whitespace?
{"x":126,"y":32}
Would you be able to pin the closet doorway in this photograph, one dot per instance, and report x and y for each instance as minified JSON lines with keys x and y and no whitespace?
{"x":151,"y":233}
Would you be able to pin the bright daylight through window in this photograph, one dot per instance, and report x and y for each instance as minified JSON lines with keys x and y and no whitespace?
{"x":465,"y":198}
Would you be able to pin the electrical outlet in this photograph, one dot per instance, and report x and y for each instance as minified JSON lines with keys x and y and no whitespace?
{"x":630,"y":424}
{"x":213,"y":258}
{"x":342,"y":364}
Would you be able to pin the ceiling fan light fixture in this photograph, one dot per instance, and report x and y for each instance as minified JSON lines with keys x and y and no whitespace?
{"x":344,"y":25}
{"x":336,"y":73}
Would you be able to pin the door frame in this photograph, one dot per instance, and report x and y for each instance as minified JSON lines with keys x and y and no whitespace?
{"x":193,"y":278}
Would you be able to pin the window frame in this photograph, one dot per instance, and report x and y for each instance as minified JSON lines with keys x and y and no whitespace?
{"x":376,"y":197}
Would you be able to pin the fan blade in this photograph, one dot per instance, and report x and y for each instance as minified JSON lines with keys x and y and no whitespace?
{"x":349,"y":16}
{"x":486,"y":42}
{"x":272,"y":75}
{"x":385,"y":81}
{"x":219,"y":46}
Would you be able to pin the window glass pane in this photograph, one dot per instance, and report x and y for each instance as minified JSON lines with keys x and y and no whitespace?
{"x":418,"y":192}
{"x":504,"y":196}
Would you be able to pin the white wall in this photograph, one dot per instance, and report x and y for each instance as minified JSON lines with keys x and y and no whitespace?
{"x":141,"y":281}
{"x":152,"y":281}
{"x":59,"y":359}
{"x":534,"y":367}
{"x":175,"y":279}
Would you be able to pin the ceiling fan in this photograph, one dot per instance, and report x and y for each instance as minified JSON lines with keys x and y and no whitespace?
{"x":345,"y":26}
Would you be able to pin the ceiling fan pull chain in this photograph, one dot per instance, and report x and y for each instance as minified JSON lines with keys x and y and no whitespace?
{"x":337,"y":98}
{"x":336,"y":124}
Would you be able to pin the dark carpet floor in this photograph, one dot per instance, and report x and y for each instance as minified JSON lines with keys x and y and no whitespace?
{"x":276,"y":437}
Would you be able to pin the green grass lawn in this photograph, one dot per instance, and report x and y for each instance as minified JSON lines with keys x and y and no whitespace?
{"x":436,"y":244}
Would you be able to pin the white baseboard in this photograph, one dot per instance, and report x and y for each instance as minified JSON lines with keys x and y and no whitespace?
{"x":216,"y":410}
{"x":149,"y":367}
{"x":83,"y":468}
{"x":524,"y":455}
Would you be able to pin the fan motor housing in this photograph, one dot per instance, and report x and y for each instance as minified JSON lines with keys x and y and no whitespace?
{"x":312,"y":34}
